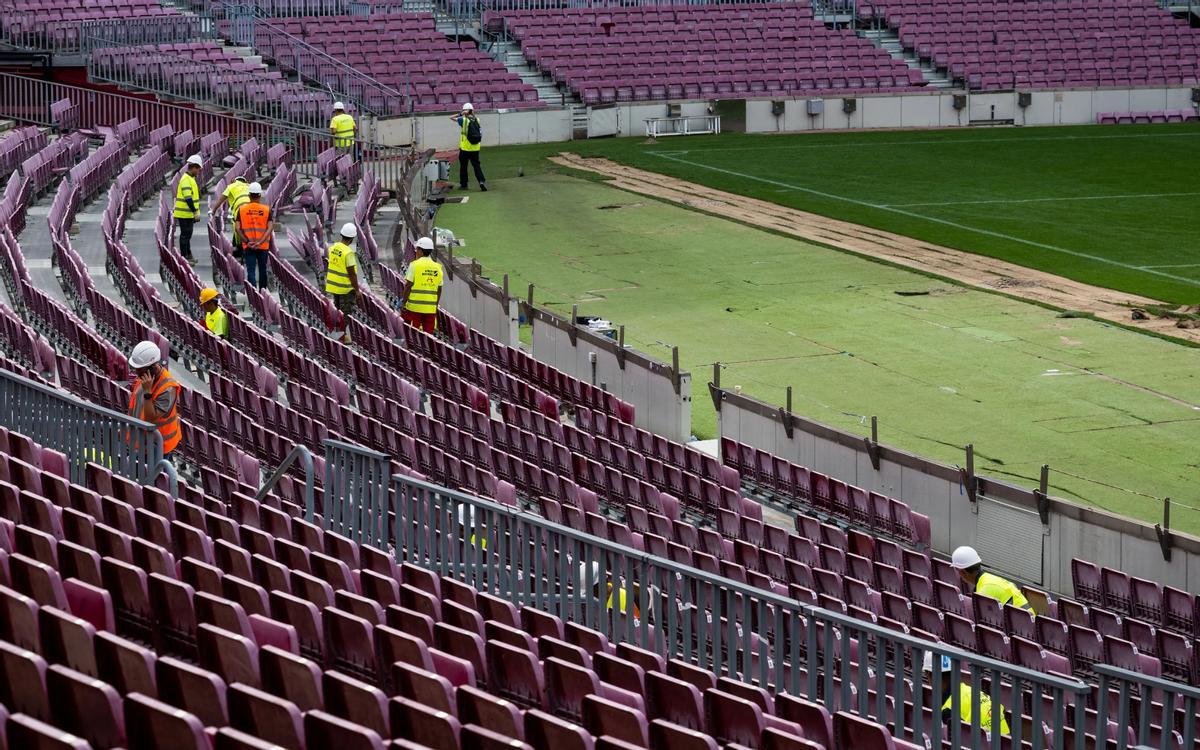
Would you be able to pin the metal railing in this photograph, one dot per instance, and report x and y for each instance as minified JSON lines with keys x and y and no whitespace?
{"x":724,"y":626}
{"x":357,"y":484}
{"x":110,"y":32}
{"x":304,"y":456}
{"x":292,"y":54}
{"x":1138,"y":698}
{"x":82,"y":431}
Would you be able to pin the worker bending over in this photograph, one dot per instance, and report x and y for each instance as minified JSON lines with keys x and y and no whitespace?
{"x":970,"y":569}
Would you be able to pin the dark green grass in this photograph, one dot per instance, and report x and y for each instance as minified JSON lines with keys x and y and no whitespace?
{"x":1038,"y":197}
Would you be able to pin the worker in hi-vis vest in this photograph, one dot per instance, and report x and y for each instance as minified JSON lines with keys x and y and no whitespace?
{"x":187,"y":205}
{"x":343,"y":129}
{"x":155,"y":395}
{"x":254,"y":224}
{"x":236,"y":196}
{"x":470,"y":138}
{"x":987,"y":719}
{"x":422,"y":288}
{"x":970,"y":569}
{"x":215,"y":318}
{"x":341,"y":276}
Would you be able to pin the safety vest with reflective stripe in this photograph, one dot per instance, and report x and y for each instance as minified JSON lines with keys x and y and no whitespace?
{"x":985,"y":709}
{"x":337,"y":275}
{"x":254,"y":219}
{"x":1003,"y":591}
{"x":238,"y":195}
{"x":343,"y":130}
{"x":187,"y":191}
{"x":622,"y":601}
{"x":168,"y":426}
{"x":463,"y":143}
{"x":217,"y":322}
{"x":427,"y":280}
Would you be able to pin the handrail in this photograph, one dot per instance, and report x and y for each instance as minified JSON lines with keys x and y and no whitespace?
{"x":1149,"y":688}
{"x":166,"y":467}
{"x":304,"y":455}
{"x":713,"y":622}
{"x":393,"y":102}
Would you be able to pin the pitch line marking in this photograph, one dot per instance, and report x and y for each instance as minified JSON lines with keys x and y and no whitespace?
{"x":1045,"y":200}
{"x":940,"y":142}
{"x":1176,"y":265}
{"x":935,"y":220}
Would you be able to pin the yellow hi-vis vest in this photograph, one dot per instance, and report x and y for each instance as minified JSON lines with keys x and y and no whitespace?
{"x":426,"y":281}
{"x":463,"y":143}
{"x":1003,"y":591}
{"x":337,"y":276}
{"x":985,"y":709}
{"x":217,"y":322}
{"x":238,"y":195}
{"x":187,"y":190}
{"x":343,"y":130}
{"x":622,"y":601}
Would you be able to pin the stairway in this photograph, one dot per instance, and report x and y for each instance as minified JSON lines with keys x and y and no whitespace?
{"x":549,"y":91}
{"x":889,"y":40}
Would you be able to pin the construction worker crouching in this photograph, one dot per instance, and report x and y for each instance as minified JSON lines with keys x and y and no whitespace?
{"x":970,"y":569}
{"x":422,"y":288}
{"x":253,"y":223}
{"x":341,"y":276}
{"x":236,"y":196}
{"x":187,"y":205}
{"x":965,"y":696}
{"x":343,"y":129}
{"x":215,"y":318}
{"x":625,"y":600}
{"x":155,"y":397}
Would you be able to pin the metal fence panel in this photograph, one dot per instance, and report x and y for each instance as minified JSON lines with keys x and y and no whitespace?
{"x":356,"y":492}
{"x":718,"y":624}
{"x":82,"y":431}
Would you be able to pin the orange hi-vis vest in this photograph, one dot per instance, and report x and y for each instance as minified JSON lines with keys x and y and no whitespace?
{"x":168,"y":426}
{"x":254,"y":218}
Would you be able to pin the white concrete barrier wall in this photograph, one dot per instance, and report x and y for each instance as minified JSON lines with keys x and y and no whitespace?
{"x":1003,"y":524}
{"x":480,"y":303}
{"x":934,"y":109}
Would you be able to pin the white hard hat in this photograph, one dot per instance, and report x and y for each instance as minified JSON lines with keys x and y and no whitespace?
{"x":466,"y":514}
{"x":965,"y":557}
{"x":339,"y":105}
{"x":928,"y":665}
{"x":144,"y":355}
{"x":255,"y":188}
{"x":349,"y":230}
{"x":195,"y":159}
{"x":425,"y":243}
{"x":468,"y":105}
{"x":240,"y":178}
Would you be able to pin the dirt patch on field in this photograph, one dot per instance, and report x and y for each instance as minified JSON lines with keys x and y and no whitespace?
{"x":967,"y":268}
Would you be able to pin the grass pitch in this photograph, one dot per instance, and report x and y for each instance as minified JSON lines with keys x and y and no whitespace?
{"x":939,"y":365}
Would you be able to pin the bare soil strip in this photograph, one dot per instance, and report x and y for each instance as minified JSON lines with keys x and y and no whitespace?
{"x":967,"y":268}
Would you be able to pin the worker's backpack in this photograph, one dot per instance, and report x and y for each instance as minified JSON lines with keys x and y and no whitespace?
{"x":474,"y":132}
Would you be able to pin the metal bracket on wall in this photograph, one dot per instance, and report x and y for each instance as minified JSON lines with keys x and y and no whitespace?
{"x":785,"y":415}
{"x":621,"y":347}
{"x":714,"y":388}
{"x":968,"y":478}
{"x":573,"y":331}
{"x":450,"y":261}
{"x":1041,"y":495}
{"x":675,"y":380}
{"x":529,"y":305}
{"x":476,"y":270}
{"x":1163,"y":530}
{"x":872,"y":444}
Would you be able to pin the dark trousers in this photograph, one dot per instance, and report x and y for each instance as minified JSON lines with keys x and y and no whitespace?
{"x":256,"y":267}
{"x":185,"y":236}
{"x":472,"y":158}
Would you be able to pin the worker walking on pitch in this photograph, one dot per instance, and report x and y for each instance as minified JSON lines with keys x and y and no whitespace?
{"x":341,"y":276}
{"x":470,"y":138}
{"x":155,"y":397}
{"x":236,"y":196}
{"x":422,"y":288}
{"x":970,"y":569}
{"x":187,"y":205}
{"x":987,"y":720}
{"x":343,"y":129}
{"x":253,"y":223}
{"x":215,"y":318}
